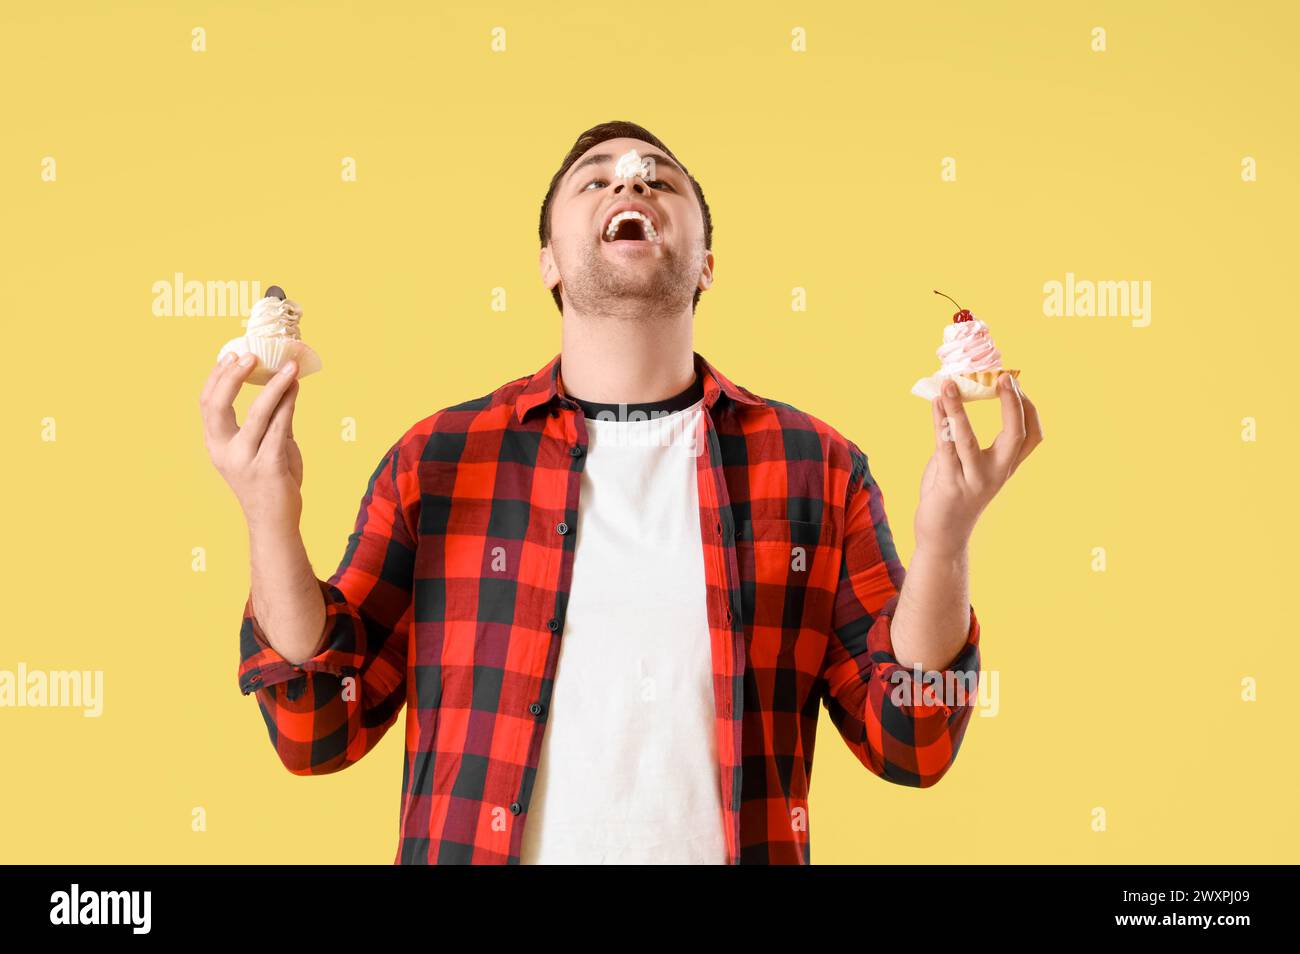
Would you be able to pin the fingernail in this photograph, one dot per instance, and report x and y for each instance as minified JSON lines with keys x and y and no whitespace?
{"x":226,"y":358}
{"x":950,"y":388}
{"x":246,"y":359}
{"x":289,"y":368}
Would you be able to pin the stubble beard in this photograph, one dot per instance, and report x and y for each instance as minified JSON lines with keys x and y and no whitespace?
{"x":597,"y":286}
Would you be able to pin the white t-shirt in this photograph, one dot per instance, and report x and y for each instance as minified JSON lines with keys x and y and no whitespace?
{"x":629,"y":771}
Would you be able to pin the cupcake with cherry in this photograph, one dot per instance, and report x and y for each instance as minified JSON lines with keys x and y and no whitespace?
{"x":967,"y":357}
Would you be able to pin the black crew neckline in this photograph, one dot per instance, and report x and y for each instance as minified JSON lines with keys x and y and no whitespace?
{"x":621,"y":412}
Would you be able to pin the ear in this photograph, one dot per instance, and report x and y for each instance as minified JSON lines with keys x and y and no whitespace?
{"x":546,"y":264}
{"x":706,"y":274}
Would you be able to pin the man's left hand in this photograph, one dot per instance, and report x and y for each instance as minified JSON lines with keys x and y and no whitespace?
{"x":961,"y":477}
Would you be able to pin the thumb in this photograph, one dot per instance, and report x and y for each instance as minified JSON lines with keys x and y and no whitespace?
{"x":281,"y":427}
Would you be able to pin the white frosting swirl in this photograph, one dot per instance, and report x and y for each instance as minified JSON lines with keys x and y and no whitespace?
{"x":273,"y":317}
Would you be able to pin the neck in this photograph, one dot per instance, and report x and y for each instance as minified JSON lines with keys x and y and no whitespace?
{"x":626,"y":361}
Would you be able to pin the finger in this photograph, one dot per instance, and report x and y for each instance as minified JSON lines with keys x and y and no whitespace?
{"x":281,"y":427}
{"x":1005,"y":449}
{"x":215,"y":374}
{"x":968,"y":449}
{"x":1033,"y":428}
{"x":219,"y":411}
{"x":943,"y":443}
{"x":929,"y":475}
{"x":259,"y":412}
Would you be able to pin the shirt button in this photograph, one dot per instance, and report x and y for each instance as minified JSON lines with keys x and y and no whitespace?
{"x":535,"y":708}
{"x":561,"y":527}
{"x":575,"y":451}
{"x":552,"y":624}
{"x":515,"y":808}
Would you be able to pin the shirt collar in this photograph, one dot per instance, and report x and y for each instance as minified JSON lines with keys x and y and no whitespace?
{"x":546,"y":387}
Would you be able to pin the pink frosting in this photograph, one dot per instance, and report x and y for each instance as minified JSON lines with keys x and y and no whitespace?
{"x":968,"y":346}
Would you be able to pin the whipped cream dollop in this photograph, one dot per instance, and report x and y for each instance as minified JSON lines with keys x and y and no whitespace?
{"x":275,"y":318}
{"x":631,"y":164}
{"x":968,"y":346}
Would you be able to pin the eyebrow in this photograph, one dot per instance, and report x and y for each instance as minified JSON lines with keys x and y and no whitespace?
{"x":602,"y":157}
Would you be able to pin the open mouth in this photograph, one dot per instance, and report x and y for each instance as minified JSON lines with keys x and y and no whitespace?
{"x":630,"y":226}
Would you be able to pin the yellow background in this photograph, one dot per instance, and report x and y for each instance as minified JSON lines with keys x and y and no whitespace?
{"x":1119,"y":690}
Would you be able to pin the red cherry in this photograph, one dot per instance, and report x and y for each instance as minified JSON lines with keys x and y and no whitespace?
{"x":962,"y":313}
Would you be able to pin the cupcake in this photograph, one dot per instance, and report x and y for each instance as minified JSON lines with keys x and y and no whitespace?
{"x":271,"y":333}
{"x":967,"y":356}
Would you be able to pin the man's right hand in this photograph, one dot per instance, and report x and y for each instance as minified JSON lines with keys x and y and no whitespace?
{"x":260,"y":461}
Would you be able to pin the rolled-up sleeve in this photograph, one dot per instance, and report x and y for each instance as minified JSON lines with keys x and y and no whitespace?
{"x":328,"y":711}
{"x":905,"y":731}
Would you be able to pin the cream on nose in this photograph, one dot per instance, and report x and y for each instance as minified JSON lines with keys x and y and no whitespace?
{"x":630,"y":165}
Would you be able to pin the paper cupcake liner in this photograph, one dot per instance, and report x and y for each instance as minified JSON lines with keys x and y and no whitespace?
{"x":972,"y":386}
{"x":272,"y":352}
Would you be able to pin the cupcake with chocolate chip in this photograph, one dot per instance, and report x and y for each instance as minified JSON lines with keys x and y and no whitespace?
{"x":272,"y":334}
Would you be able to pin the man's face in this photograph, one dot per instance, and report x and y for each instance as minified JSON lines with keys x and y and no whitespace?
{"x":634,"y":271}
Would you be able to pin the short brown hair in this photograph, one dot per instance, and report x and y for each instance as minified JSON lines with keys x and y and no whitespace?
{"x":594,"y":136}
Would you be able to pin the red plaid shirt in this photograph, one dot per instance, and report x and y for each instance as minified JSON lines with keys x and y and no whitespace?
{"x":451,"y":594}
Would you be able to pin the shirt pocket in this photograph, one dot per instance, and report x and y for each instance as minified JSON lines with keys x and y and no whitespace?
{"x":786,"y":593}
{"x":483,"y":539}
{"x":782,"y":564}
{"x":471,"y":558}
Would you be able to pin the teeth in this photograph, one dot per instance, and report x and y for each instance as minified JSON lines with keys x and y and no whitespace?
{"x":612,"y":229}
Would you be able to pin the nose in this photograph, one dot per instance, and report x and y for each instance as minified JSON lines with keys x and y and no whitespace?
{"x":637,"y":185}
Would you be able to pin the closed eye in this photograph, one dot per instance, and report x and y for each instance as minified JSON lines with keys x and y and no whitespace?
{"x":652,"y":183}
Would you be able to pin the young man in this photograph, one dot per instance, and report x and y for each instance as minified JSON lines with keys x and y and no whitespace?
{"x":614,"y":594}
